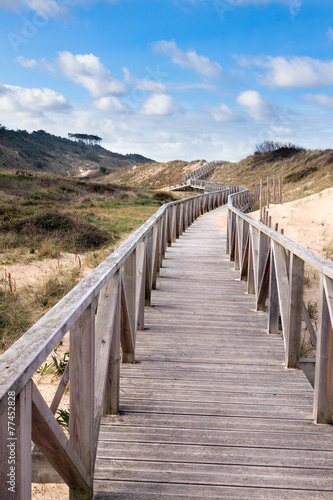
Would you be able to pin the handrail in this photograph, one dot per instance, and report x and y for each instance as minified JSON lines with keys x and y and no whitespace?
{"x":273,"y":266}
{"x":102,"y":313}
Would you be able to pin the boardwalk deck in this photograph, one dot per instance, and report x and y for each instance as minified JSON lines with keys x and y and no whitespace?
{"x":208,"y":410}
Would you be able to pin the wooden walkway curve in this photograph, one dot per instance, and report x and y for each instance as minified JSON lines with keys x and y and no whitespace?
{"x":208,"y":410}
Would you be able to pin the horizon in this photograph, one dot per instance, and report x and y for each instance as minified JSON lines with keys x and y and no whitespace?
{"x":174,"y":79}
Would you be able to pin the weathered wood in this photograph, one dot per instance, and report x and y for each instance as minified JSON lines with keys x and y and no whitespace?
{"x":273,"y":307}
{"x":282,"y":286}
{"x":52,"y":442}
{"x":148,"y":273}
{"x":60,"y":390}
{"x":188,"y":423}
{"x":82,"y":377}
{"x":263,"y":255}
{"x":263,"y":290}
{"x":111,"y":398}
{"x":126,"y":331}
{"x":309,"y":324}
{"x":323,"y":400}
{"x":23,"y":449}
{"x":140,"y":284}
{"x":296,"y":279}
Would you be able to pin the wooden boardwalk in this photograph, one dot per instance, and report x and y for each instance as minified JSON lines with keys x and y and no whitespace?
{"x":208,"y":410}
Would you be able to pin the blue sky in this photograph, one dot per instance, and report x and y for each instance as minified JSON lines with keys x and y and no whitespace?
{"x":170,"y":79}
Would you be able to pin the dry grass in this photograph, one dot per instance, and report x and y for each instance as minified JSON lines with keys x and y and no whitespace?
{"x":153,"y":175}
{"x":303,"y":172}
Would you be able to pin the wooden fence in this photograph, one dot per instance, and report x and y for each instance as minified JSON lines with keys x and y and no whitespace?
{"x":103,"y":313}
{"x":273,"y":267}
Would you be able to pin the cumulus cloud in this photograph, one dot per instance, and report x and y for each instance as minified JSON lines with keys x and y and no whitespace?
{"x":88,"y":71}
{"x":36,"y":101}
{"x":160,"y":104}
{"x":223,"y":113}
{"x":26,"y":63}
{"x":257,"y":107}
{"x":300,"y":72}
{"x":321,"y":100}
{"x":189,"y":60}
{"x":111,"y":104}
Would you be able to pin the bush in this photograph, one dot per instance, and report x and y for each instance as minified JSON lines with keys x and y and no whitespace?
{"x":268,"y":146}
{"x":163,"y":196}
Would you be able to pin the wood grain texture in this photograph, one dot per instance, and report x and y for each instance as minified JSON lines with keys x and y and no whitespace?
{"x":208,"y":409}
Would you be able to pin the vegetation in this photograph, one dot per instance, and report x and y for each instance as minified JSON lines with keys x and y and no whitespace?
{"x":85,"y":138}
{"x":153,"y":175}
{"x":44,"y":216}
{"x":163,"y":196}
{"x":43,"y":152}
{"x":268,"y":146}
{"x":304,"y":172}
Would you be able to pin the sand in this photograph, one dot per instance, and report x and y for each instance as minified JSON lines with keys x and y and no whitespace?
{"x":308,"y":221}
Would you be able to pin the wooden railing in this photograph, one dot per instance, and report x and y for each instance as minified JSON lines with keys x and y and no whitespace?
{"x":103,"y":313}
{"x":273,"y":267}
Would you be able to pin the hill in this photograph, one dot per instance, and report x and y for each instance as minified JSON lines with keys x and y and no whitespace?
{"x":153,"y":175}
{"x":43,"y":152}
{"x":304,"y":172}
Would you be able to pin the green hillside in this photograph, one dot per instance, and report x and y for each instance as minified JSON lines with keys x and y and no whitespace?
{"x":43,"y":152}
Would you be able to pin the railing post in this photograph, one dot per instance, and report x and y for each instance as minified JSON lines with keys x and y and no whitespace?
{"x":140,"y":284}
{"x":111,"y":393}
{"x":82,"y":380}
{"x":323,"y":399}
{"x":296,"y":278}
{"x":273,"y":297}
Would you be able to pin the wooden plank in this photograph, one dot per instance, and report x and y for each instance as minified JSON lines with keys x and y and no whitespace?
{"x":52,"y":442}
{"x":60,"y":390}
{"x":296,"y":279}
{"x":140,"y":285}
{"x":111,"y":398}
{"x":104,"y":326}
{"x":23,"y":433}
{"x":309,"y":324}
{"x":323,"y":400}
{"x":137,"y":490}
{"x":263,"y":291}
{"x":197,"y":426}
{"x":282,"y":286}
{"x":81,"y":374}
{"x":127,"y":330}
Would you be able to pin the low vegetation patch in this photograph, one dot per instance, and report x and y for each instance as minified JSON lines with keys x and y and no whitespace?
{"x":45,"y":216}
{"x":301,"y":174}
{"x":163,"y":196}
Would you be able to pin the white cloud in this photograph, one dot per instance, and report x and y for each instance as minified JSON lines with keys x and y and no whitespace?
{"x":160,"y":104}
{"x":321,"y":100}
{"x":223,"y":113}
{"x":15,"y":99}
{"x":257,"y":107}
{"x":190,"y":59}
{"x":111,"y":104}
{"x":300,"y":72}
{"x":88,"y":71}
{"x":26,"y":63}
